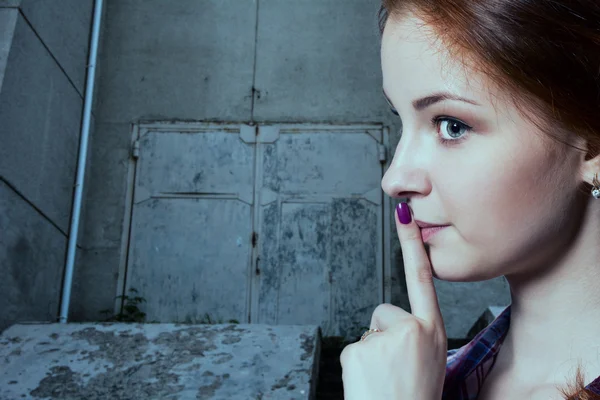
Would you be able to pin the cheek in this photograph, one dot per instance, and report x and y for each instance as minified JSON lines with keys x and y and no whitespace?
{"x":494,"y":194}
{"x":501,"y":209}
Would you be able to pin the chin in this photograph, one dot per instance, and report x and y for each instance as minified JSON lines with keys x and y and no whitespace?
{"x":461,"y":269}
{"x":454,"y":276}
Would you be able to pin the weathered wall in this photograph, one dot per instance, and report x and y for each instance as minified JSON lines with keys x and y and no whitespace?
{"x":43,"y":55}
{"x":234,"y":61}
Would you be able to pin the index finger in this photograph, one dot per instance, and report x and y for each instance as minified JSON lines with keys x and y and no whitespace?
{"x":417,"y":268}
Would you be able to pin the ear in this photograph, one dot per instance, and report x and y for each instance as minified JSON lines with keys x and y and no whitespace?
{"x":589,"y":169}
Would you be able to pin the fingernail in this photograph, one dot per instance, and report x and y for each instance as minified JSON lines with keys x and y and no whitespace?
{"x":403,"y":213}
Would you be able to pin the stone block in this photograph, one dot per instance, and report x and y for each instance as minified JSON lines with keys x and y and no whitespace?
{"x":159,"y":361}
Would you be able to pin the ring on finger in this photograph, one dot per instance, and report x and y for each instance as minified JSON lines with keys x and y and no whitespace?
{"x":367,"y":333}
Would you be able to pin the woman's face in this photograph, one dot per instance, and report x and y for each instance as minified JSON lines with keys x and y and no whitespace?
{"x":505,"y":189}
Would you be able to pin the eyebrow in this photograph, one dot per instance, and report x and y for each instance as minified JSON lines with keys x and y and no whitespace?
{"x":427,"y":101}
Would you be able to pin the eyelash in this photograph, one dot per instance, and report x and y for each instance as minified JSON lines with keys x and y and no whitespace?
{"x":435,"y":121}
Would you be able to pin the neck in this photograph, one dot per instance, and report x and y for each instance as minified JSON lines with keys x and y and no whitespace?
{"x":555,"y":313}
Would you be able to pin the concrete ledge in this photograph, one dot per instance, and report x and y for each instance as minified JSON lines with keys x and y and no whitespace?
{"x":159,"y":361}
{"x":486,"y":318}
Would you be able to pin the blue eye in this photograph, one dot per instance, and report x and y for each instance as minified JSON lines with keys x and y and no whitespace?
{"x":453,"y":128}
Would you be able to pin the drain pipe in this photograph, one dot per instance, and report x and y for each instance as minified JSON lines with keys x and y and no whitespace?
{"x":83,"y":148}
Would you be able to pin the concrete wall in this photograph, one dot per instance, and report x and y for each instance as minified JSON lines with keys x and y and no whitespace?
{"x":43,"y":55}
{"x":235,"y":61}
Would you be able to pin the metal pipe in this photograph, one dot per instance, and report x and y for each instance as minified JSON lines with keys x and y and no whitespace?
{"x":83,"y":148}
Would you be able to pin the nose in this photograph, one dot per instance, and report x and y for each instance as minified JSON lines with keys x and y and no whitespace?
{"x":407,"y":175}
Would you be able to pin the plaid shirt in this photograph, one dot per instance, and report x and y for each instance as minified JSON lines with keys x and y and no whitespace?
{"x":467,"y":367}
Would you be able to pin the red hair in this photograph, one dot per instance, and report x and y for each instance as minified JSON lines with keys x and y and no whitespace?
{"x":544,"y":54}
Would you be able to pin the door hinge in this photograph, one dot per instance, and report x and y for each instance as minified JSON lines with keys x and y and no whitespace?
{"x":382,"y":153}
{"x":254,"y":239}
{"x":135,"y":149}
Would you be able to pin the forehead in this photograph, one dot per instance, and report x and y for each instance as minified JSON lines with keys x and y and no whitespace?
{"x":415,"y":62}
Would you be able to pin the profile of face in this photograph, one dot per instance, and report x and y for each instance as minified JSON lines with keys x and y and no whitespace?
{"x":471,"y":160}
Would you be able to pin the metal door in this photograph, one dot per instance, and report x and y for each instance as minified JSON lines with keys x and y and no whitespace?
{"x":189,"y":247}
{"x":320,"y":233}
{"x":311,"y":252}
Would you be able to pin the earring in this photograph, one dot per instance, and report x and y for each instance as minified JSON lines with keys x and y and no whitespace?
{"x":596,"y":188}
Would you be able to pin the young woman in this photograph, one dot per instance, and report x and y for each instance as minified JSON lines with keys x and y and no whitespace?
{"x":500,"y":150}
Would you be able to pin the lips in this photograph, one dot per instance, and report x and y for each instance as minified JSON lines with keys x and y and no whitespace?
{"x":427,"y":233}
{"x":422,"y":224}
{"x":428,"y":229}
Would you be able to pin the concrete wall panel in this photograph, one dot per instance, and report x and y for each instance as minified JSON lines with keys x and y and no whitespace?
{"x":101,"y":229}
{"x":187,"y":59}
{"x":40,"y":114}
{"x":318,"y":61}
{"x":8,"y":21}
{"x":106,"y":185}
{"x":462,"y":303}
{"x":94,"y":283}
{"x":32,"y":254}
{"x":64,"y":27}
{"x":10,"y":3}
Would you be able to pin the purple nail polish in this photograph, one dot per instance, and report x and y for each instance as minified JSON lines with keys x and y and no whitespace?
{"x":403,"y":213}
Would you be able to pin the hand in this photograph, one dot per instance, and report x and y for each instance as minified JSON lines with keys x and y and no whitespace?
{"x":407,"y":360}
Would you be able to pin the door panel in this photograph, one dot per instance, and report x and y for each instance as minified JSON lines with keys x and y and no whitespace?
{"x":191,"y":257}
{"x":356,"y":265}
{"x":202,"y":161}
{"x":190,"y":244}
{"x":320,"y":227}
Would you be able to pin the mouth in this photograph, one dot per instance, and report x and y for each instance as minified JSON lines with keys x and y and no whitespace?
{"x":428,"y":232}
{"x":422,"y":224}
